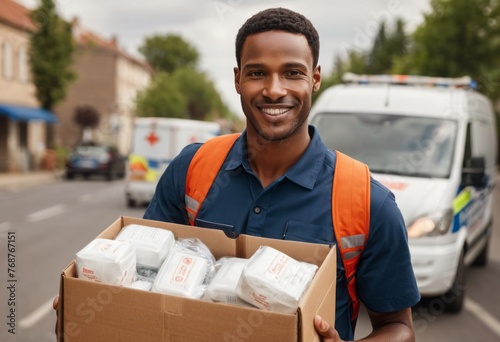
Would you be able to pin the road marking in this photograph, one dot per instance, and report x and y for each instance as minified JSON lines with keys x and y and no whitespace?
{"x":46,"y":213}
{"x":37,"y":315}
{"x":483,"y":315}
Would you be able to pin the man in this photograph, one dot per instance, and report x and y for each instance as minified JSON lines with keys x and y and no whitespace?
{"x":276,"y":181}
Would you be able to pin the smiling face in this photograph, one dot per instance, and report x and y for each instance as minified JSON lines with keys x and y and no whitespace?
{"x":275,"y":83}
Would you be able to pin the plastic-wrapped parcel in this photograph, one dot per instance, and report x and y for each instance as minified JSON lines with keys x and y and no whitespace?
{"x":107,"y":261}
{"x":152,"y":244}
{"x":187,"y":270}
{"x":222,"y":288}
{"x":141,"y":285}
{"x":271,"y":280}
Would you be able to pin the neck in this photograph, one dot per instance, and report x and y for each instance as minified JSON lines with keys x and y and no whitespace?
{"x":271,"y":159}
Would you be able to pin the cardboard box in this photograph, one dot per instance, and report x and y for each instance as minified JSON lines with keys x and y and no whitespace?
{"x":90,"y":311}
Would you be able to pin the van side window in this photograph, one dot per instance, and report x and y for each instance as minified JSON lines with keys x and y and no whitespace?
{"x":468,"y":146}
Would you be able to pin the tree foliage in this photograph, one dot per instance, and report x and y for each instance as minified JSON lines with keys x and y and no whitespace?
{"x":179,"y":90}
{"x":202,"y":99}
{"x":187,"y":93}
{"x":169,"y":52}
{"x":389,"y":47}
{"x":162,"y":98}
{"x":86,"y":116}
{"x":458,"y":37}
{"x":51,"y":55}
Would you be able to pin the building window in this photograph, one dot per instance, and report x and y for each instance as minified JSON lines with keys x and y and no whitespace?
{"x":7,"y":66}
{"x":23,"y":64}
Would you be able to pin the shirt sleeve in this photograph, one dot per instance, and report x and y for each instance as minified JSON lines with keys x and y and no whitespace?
{"x":168,"y":203}
{"x":384,"y":276}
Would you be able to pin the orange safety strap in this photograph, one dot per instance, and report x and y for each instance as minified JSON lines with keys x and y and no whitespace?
{"x":351,"y":217}
{"x":203,"y":169}
{"x":350,"y":200}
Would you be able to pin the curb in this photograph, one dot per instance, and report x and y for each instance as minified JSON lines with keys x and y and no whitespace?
{"x":17,"y":181}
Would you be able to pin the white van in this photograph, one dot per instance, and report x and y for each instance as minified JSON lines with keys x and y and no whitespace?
{"x":433,"y":143}
{"x":155,"y":142}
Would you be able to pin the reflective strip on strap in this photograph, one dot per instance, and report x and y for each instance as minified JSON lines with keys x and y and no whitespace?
{"x":191,"y":216}
{"x":191,"y":203}
{"x":353,"y":241}
{"x":352,"y":254}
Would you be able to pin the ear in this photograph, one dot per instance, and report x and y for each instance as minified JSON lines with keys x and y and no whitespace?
{"x":317,"y":78}
{"x":237,"y":79}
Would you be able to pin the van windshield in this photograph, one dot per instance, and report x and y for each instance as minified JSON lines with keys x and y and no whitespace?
{"x":392,"y":144}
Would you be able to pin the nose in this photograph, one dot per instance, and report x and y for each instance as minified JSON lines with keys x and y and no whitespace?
{"x":274,"y":88}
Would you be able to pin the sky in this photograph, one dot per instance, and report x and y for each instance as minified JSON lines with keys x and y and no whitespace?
{"x":211,"y":26}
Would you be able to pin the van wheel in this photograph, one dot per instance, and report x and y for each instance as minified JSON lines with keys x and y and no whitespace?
{"x":482,"y":258}
{"x":454,"y":298}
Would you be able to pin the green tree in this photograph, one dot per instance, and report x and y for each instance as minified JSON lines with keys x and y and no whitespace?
{"x":354,"y":62}
{"x":457,"y":37}
{"x":387,"y":48}
{"x":202,"y":99}
{"x":86,"y":116}
{"x":162,"y":98}
{"x":180,"y":90}
{"x":388,"y":52}
{"x":51,"y":55}
{"x":169,"y":52}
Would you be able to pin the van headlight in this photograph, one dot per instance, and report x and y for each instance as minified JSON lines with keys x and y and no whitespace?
{"x":433,"y":224}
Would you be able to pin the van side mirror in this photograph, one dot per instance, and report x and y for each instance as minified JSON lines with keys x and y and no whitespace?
{"x":474,"y":172}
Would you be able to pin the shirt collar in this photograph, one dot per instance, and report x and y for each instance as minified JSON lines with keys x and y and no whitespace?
{"x":305,"y":171}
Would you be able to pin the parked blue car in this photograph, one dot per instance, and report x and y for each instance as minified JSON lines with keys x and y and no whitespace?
{"x":95,"y":159}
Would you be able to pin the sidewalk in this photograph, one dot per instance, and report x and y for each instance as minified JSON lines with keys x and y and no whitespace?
{"x":10,"y":181}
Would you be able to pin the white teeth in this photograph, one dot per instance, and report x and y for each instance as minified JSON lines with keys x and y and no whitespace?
{"x":275,"y":111}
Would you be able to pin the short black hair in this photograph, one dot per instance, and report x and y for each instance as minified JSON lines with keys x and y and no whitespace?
{"x":281,"y":19}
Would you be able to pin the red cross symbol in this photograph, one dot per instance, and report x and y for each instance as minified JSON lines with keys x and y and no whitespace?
{"x":152,"y":138}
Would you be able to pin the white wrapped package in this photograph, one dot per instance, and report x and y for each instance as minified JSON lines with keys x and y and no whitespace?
{"x":222,"y":288}
{"x":141,"y":285}
{"x":152,"y":244}
{"x":182,"y":274}
{"x":146,"y":274}
{"x":107,"y":261}
{"x":272,"y":280}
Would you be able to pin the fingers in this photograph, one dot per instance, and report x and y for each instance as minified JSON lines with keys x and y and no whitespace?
{"x":324,"y":329}
{"x":55,"y":303}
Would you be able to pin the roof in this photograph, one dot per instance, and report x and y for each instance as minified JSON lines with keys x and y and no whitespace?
{"x":398,"y":99}
{"x":16,"y":15}
{"x":84,"y":37}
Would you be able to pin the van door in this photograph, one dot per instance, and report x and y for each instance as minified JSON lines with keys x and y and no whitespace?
{"x":477,"y":209}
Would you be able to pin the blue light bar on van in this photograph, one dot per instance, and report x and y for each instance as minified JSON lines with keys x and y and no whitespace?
{"x":458,"y":82}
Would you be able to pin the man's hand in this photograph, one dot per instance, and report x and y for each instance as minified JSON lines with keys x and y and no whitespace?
{"x":55,"y":305}
{"x":324,"y":329}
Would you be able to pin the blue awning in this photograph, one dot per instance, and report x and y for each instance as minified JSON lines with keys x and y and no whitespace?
{"x":20,"y":113}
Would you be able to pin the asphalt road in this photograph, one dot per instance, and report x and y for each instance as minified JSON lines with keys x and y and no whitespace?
{"x":50,"y":223}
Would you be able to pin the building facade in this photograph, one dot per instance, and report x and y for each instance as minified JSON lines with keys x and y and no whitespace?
{"x":22,"y":124}
{"x":108,"y":80}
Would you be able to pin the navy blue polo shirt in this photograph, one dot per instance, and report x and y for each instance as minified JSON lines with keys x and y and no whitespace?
{"x":297,"y":206}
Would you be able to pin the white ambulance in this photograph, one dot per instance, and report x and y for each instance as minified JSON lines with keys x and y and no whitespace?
{"x":433,"y":143}
{"x":155,"y":142}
